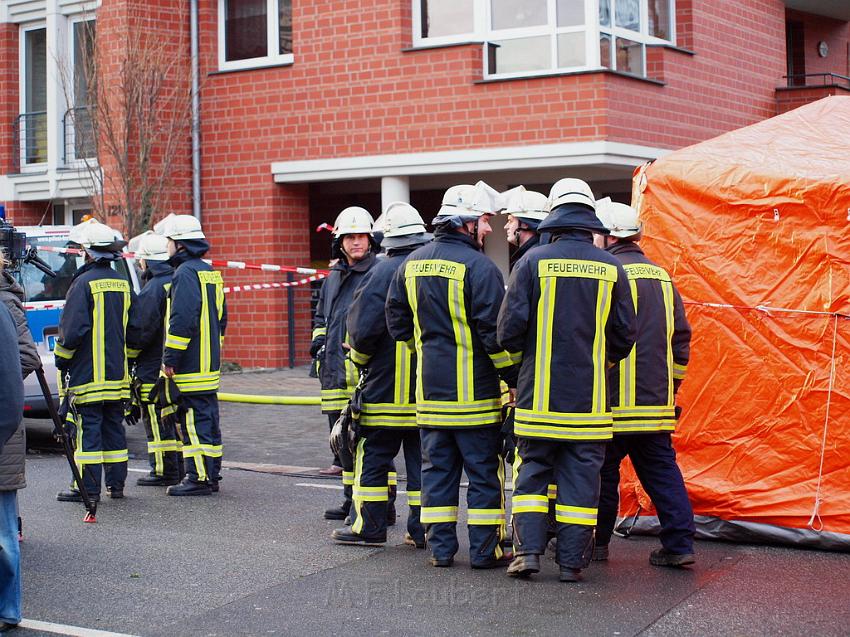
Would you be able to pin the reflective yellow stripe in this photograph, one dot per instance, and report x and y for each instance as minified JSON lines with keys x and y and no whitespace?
{"x":88,"y":457}
{"x":552,"y":491}
{"x":627,"y":385}
{"x":600,"y":362}
{"x":679,"y":371}
{"x":644,"y":426}
{"x":204,"y":325}
{"x":451,"y":406}
{"x":352,"y":376}
{"x":212,"y":451}
{"x":414,"y":498}
{"x":645,"y":411}
{"x":458,"y":420}
{"x":392,"y":478}
{"x":320,"y":331}
{"x":63,"y":352}
{"x":358,"y":358}
{"x":194,"y":450}
{"x":97,"y":337}
{"x":505,"y":359}
{"x":356,"y":499}
{"x":579,"y":429}
{"x":543,"y":345}
{"x":434,"y":515}
{"x":463,"y":341}
{"x":485,"y":516}
{"x":133,"y":353}
{"x":575,"y":515}
{"x":403,"y":364}
{"x":529,"y":504}
{"x":410,"y":288}
{"x":155,"y":446}
{"x":176,"y":342}
{"x":119,"y":455}
{"x":348,"y":476}
{"x":667,"y":289}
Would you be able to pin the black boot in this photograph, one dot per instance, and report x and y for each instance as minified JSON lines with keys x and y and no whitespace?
{"x":338,"y":513}
{"x":156,"y":481}
{"x":115,"y":493}
{"x":346,"y":536}
{"x":570,"y":574}
{"x":72,"y":495}
{"x":189,"y":487}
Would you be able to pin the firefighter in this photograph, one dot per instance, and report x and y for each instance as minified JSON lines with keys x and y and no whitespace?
{"x":444,"y":301}
{"x":568,"y":310}
{"x":525,"y":210}
{"x":145,"y":330}
{"x":388,"y":415}
{"x":195,"y":321}
{"x":92,"y":363}
{"x":354,"y":249}
{"x":643,"y":391}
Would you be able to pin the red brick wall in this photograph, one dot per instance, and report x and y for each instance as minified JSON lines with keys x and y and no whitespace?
{"x":9,"y":93}
{"x":29,"y":213}
{"x":790,"y":98}
{"x":353,"y":91}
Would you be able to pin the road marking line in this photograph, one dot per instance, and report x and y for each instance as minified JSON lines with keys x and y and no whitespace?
{"x":336,"y":487}
{"x":64,"y":629}
{"x":138,"y":470}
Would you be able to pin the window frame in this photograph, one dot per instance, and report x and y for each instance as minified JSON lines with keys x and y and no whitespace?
{"x":484,"y":34}
{"x":23,"y":164}
{"x":70,"y":156}
{"x":272,"y":42}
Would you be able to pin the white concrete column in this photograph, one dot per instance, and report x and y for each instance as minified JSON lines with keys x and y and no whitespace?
{"x":57,"y":56}
{"x":496,"y":244}
{"x":394,"y":189}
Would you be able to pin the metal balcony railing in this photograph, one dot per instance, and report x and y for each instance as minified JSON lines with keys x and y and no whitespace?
{"x":78,"y":135}
{"x":817,"y":80}
{"x":30,"y":132}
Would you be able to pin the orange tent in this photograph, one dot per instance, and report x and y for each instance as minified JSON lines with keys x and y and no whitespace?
{"x":754,"y":226}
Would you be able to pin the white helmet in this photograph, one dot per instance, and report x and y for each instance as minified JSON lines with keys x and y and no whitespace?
{"x":620,"y":219}
{"x":401,"y":219}
{"x":526,"y":204}
{"x":179,"y":227}
{"x":353,"y":220}
{"x":93,"y":234}
{"x":469,"y":201}
{"x":571,"y":190}
{"x":150,"y":246}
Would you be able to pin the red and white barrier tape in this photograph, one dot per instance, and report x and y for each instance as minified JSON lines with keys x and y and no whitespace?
{"x":238,"y":265}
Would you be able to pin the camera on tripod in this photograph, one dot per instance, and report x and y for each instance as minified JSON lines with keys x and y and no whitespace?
{"x":13,"y":245}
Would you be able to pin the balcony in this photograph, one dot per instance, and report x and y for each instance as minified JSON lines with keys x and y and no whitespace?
{"x":803,"y":89}
{"x":43,"y":165}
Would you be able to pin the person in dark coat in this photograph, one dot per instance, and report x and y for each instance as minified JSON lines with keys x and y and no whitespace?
{"x":18,"y":358}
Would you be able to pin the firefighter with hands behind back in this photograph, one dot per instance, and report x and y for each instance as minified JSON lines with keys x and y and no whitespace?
{"x":643,"y":395}
{"x":444,"y":301}
{"x":387,"y":418}
{"x":145,"y":336}
{"x":195,"y":321}
{"x":568,"y":310}
{"x":354,"y":251}
{"x":92,"y":362}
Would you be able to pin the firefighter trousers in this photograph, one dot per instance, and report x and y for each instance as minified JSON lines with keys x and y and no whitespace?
{"x":446,"y":453}
{"x":575,"y":469}
{"x":163,"y":447}
{"x":201,"y":436}
{"x":346,"y":461}
{"x":654,"y":460}
{"x":372,"y":490}
{"x":101,"y":443}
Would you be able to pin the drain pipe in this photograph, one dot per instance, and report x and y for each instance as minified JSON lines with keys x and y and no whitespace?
{"x":196,"y":113}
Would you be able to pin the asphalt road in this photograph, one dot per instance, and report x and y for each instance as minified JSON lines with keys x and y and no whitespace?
{"x":256,"y":559}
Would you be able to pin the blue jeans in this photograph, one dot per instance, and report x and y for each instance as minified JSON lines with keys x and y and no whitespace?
{"x":10,"y":559}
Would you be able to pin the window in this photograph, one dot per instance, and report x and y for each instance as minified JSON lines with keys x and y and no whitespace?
{"x":32,"y":122}
{"x":254,"y":33}
{"x":627,"y":26}
{"x":536,"y":37}
{"x":79,"y":131}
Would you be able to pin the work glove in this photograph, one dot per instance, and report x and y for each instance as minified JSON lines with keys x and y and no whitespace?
{"x":316,"y":346}
{"x":133,"y":406}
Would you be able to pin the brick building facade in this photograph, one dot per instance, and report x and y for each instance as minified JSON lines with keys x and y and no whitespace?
{"x":307,"y":107}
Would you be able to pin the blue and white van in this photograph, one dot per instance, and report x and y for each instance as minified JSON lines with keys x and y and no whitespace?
{"x":44,"y":297}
